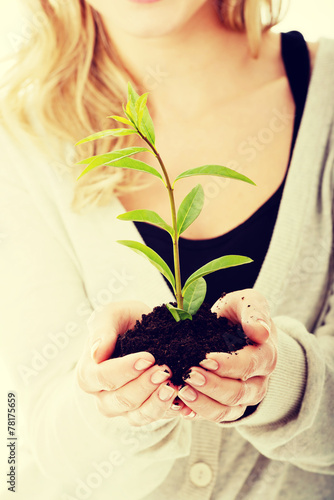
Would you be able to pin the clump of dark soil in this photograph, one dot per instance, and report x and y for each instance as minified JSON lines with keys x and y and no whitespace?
{"x":181,"y":345}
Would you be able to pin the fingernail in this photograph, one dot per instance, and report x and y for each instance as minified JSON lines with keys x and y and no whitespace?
{"x":192,"y":414}
{"x":94,"y":348}
{"x":142,"y":364}
{"x":197,"y":378}
{"x":264,"y":324}
{"x":159,"y":376}
{"x":175,"y":407}
{"x":188,"y":393}
{"x":210,"y":364}
{"x":166,"y":392}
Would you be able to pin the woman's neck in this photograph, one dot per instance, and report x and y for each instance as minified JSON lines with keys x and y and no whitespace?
{"x":202,"y":51}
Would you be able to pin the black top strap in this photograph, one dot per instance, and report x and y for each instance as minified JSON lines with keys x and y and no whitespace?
{"x":296,"y":60}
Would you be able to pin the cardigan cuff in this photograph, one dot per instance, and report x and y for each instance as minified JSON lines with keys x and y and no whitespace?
{"x":285,"y":388}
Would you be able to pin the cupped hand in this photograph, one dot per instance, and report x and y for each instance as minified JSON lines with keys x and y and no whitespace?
{"x":132,"y":386}
{"x":229,"y":383}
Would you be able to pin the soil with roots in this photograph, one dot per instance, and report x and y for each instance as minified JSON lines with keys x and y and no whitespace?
{"x":181,"y":345}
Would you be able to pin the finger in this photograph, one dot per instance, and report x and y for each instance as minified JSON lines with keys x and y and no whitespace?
{"x":104,"y":326}
{"x":208,"y":408}
{"x":116,"y":372}
{"x":183,"y":410}
{"x":226,"y":391}
{"x":189,"y":414}
{"x":132,"y":395}
{"x":251,"y":361}
{"x":249,"y":308}
{"x":176,"y":408}
{"x":155,"y":407}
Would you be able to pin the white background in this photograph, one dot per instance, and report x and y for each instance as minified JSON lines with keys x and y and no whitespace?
{"x":314,"y":19}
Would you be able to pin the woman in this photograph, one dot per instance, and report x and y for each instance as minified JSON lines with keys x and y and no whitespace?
{"x":256,"y":425}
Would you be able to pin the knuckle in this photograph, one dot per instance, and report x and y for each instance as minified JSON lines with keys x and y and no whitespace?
{"x":262,"y":391}
{"x":221,"y":417}
{"x":240,"y":395}
{"x":123,"y":403}
{"x":104,"y":385}
{"x":144,"y":417}
{"x":206,"y":408}
{"x":231,"y":413}
{"x":100,"y":378}
{"x":259,"y":391}
{"x":238,"y":412}
{"x":139,"y":418}
{"x":251,"y":367}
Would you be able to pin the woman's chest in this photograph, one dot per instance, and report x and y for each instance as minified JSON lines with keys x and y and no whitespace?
{"x":252,"y":137}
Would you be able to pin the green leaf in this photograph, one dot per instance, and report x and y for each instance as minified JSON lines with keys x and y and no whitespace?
{"x":190,"y":208}
{"x":216,"y":265}
{"x":124,"y":131}
{"x":194,"y":296}
{"x":217,"y":170}
{"x":113,"y":155}
{"x":178,"y":314}
{"x":105,"y":133}
{"x":110,"y":159}
{"x":145,"y":125}
{"x":147,"y":216}
{"x":131,"y":105}
{"x":127,"y":113}
{"x":136,"y":165}
{"x":152,"y":256}
{"x":121,"y":120}
{"x":147,"y":128}
{"x":140,"y":107}
{"x":127,"y":162}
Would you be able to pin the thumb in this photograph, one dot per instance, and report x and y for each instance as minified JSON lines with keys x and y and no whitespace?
{"x":102,"y":338}
{"x":257,"y":329}
{"x":249,"y":308}
{"x":105,"y":325}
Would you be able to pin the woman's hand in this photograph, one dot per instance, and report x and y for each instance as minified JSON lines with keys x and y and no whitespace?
{"x":131,"y":386}
{"x":228,"y":383}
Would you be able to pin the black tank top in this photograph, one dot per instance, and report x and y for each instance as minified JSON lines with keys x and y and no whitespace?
{"x":252,"y":237}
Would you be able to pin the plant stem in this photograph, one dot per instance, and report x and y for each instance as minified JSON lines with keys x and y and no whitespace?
{"x":176,"y":255}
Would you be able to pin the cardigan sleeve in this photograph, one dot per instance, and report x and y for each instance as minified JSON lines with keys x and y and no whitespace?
{"x":42,"y":293}
{"x":294,"y":421}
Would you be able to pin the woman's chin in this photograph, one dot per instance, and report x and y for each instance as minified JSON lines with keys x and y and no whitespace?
{"x":147,"y":31}
{"x":144,"y":1}
{"x":147,"y":18}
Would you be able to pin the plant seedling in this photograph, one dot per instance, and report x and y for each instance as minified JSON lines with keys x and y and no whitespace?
{"x":191,"y":295}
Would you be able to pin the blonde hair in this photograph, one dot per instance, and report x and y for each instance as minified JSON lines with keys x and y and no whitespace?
{"x":71,"y":74}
